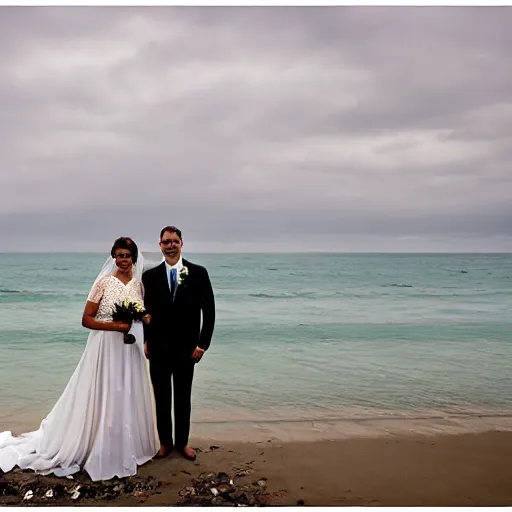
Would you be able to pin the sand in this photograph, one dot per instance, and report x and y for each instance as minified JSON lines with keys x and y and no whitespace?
{"x":394,"y":470}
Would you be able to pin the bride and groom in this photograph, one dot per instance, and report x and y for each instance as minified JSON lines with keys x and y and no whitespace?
{"x":104,"y":421}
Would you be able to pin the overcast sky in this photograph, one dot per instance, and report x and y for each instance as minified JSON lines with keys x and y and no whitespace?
{"x":342,"y":129}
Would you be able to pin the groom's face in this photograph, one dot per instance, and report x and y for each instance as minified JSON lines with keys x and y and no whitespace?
{"x":170,"y":245}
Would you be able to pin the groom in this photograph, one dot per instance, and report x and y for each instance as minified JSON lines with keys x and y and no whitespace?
{"x":176,"y":293}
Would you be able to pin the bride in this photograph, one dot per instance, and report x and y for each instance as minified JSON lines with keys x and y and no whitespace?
{"x":103,"y":422}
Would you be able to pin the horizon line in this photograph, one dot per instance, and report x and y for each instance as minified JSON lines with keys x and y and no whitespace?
{"x":269,"y":252}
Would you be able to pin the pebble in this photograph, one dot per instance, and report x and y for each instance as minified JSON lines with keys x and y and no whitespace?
{"x":219,"y":489}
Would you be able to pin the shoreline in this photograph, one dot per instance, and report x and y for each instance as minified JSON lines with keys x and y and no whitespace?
{"x":250,"y":427}
{"x":397,"y":470}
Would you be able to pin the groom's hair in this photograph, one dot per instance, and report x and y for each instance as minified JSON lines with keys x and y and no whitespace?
{"x":171,"y":229}
{"x":125,"y":242}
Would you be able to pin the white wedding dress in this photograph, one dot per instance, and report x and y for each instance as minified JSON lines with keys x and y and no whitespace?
{"x":104,"y":420}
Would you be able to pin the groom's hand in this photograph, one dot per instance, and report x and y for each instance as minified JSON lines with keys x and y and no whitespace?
{"x":197,"y":354}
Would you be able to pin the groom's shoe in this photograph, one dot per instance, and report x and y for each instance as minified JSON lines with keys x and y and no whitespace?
{"x":163,"y":452}
{"x":187,"y":452}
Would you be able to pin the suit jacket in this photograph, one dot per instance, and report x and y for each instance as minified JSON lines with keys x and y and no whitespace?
{"x":175,"y":327}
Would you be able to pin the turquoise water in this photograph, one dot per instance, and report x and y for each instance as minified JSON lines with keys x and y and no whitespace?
{"x":298,"y":336}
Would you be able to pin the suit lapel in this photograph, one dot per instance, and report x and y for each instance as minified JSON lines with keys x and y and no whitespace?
{"x":181,"y":287}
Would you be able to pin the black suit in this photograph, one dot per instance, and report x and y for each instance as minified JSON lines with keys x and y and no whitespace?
{"x":173,"y":334}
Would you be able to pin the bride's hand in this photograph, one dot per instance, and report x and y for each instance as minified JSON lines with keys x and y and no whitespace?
{"x":146,"y":319}
{"x":123,"y":327}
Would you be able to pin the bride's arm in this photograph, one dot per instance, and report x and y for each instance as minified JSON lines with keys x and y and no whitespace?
{"x":91,"y":309}
{"x":89,"y":320}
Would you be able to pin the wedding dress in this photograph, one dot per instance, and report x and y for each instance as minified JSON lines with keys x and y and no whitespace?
{"x":104,"y":420}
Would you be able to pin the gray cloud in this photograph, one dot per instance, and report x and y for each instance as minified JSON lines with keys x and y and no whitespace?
{"x":340,"y":128}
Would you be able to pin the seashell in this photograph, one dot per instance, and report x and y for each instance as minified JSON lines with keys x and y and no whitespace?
{"x":70,"y":477}
{"x":262,"y":483}
{"x":49,"y":493}
{"x":28,"y":495}
{"x":76,"y":493}
{"x":214,"y":491}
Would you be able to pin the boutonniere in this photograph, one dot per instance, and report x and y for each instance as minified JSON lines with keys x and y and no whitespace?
{"x":182,"y":275}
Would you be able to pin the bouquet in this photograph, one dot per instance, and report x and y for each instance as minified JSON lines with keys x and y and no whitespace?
{"x":128,"y":311}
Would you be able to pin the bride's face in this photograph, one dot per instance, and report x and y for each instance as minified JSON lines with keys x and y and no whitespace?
{"x":123,"y":259}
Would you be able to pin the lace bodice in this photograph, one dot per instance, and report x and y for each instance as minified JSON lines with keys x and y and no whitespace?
{"x":109,"y":290}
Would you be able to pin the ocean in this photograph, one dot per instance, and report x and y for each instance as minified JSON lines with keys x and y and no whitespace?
{"x":305,"y":344}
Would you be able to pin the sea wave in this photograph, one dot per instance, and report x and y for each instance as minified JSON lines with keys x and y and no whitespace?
{"x":292,"y":295}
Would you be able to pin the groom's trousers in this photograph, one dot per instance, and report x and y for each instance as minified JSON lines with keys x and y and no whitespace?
{"x":172,"y":381}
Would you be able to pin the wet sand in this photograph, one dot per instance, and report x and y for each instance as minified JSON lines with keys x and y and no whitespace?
{"x":391,"y":470}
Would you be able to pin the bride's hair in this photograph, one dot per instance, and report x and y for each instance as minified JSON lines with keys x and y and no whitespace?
{"x":125,"y":242}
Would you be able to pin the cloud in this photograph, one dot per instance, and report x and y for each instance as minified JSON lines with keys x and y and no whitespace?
{"x":354,"y":128}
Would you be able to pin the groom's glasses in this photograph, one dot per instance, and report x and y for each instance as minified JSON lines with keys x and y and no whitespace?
{"x":123,"y":256}
{"x":169,"y":242}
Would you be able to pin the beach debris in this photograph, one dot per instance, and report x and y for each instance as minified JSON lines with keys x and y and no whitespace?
{"x":243,"y":469}
{"x":300,"y":503}
{"x":219,"y":489}
{"x":59,"y":490}
{"x":75,"y":495}
{"x":7,"y":489}
{"x":223,"y":478}
{"x":35,"y":488}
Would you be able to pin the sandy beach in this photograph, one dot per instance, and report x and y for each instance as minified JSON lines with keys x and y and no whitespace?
{"x":394,"y":470}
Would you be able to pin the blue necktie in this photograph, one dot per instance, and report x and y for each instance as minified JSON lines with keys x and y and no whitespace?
{"x":173,"y":282}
